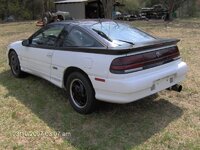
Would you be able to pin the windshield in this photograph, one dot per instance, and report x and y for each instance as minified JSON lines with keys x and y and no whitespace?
{"x":119,"y":33}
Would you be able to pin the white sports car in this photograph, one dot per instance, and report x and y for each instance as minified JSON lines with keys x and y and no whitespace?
{"x":99,"y":60}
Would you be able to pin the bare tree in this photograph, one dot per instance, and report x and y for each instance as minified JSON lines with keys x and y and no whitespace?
{"x":45,"y":2}
{"x":108,"y":8}
{"x":7,"y":8}
{"x":172,"y":5}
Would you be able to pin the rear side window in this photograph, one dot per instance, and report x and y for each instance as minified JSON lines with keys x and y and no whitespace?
{"x":78,"y":38}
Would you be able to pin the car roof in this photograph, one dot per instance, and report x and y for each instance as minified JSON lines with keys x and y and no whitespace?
{"x":82,"y":22}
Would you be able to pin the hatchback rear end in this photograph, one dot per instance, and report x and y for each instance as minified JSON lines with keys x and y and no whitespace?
{"x":143,"y":65}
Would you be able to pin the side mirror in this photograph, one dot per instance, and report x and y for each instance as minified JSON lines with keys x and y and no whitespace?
{"x":26,"y":42}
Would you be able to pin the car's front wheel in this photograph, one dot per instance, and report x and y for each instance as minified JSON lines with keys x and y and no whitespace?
{"x":15,"y":65}
{"x":81,"y":93}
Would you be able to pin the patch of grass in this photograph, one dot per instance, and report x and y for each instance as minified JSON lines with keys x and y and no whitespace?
{"x":18,"y":147}
{"x":35,"y":113}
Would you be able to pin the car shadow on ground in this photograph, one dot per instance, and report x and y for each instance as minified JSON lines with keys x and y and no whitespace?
{"x":112,"y":126}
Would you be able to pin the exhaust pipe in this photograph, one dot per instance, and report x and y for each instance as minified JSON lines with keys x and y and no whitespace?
{"x":177,"y":88}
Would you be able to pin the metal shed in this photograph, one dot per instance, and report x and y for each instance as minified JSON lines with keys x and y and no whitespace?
{"x":80,"y":9}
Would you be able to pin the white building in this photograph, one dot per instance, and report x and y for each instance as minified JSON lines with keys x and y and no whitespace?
{"x":81,"y":9}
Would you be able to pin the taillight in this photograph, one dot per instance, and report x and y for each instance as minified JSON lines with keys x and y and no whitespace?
{"x":143,"y":61}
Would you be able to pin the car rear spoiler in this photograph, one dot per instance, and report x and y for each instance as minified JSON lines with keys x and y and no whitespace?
{"x":147,"y":46}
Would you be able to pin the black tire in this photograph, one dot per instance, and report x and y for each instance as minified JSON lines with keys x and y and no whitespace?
{"x":81,"y":93}
{"x":15,"y":65}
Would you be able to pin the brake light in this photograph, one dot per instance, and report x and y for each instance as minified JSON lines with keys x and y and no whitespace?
{"x":143,"y":61}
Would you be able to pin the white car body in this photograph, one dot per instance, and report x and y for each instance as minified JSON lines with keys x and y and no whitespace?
{"x":115,"y":88}
{"x":99,"y":60}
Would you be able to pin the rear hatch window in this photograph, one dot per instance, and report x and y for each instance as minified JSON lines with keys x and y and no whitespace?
{"x":121,"y":34}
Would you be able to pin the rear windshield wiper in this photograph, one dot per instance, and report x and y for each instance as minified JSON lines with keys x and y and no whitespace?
{"x":107,"y":38}
{"x":126,"y":42}
{"x":102,"y":35}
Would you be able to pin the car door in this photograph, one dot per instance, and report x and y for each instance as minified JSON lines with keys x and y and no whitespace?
{"x":38,"y":55}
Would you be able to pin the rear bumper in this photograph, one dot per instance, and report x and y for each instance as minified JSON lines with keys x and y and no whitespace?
{"x":141,"y":84}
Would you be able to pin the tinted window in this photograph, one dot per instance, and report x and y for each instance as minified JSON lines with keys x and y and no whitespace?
{"x":114,"y":32}
{"x":47,"y":37}
{"x":78,"y":38}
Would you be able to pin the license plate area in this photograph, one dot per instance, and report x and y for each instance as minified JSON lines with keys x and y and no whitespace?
{"x":164,"y":82}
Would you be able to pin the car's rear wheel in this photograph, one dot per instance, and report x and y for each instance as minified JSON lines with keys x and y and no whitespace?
{"x":15,"y":65}
{"x":81,"y":93}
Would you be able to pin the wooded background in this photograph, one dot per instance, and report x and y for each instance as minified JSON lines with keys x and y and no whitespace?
{"x":33,"y":9}
{"x":24,"y":9}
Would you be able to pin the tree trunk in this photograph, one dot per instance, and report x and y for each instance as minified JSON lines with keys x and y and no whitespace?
{"x":108,"y":8}
{"x":33,"y":10}
{"x":7,"y":8}
{"x":171,"y":8}
{"x":45,"y":4}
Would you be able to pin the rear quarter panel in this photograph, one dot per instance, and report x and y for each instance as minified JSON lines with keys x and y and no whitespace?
{"x":94,"y":65}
